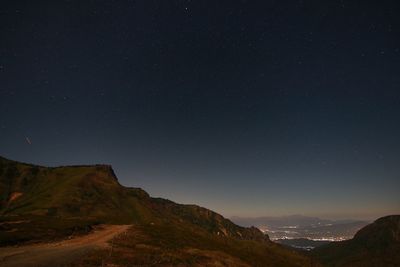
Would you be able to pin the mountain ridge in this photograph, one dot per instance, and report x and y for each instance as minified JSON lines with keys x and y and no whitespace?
{"x":88,"y":183}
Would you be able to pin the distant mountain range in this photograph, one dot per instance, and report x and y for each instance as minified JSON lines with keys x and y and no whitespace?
{"x":300,"y":227}
{"x":44,"y":204}
{"x":290,"y":220}
{"x":278,"y":221}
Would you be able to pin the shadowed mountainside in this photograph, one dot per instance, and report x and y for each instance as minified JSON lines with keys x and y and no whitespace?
{"x":41,"y":204}
{"x":377,"y":244}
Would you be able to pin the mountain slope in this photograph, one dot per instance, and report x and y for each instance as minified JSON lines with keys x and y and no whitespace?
{"x":83,"y":191}
{"x":377,"y":244}
{"x":40,"y":203}
{"x":93,"y":193}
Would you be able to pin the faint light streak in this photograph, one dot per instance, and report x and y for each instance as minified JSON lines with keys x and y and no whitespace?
{"x":28,"y":140}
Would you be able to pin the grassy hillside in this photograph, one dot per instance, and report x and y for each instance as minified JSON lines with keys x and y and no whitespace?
{"x":93,"y":194}
{"x":87,"y":192}
{"x":40,"y":203}
{"x":181,"y":244}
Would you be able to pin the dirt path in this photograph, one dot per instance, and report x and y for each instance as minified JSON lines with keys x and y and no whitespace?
{"x":58,"y":253}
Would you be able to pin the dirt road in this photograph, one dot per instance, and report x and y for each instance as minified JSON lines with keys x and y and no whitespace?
{"x":58,"y":253}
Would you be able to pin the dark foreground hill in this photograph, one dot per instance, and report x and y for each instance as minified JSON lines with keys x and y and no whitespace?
{"x":41,"y":204}
{"x":377,"y":244}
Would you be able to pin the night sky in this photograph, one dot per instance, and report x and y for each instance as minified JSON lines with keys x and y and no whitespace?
{"x":249,"y":108}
